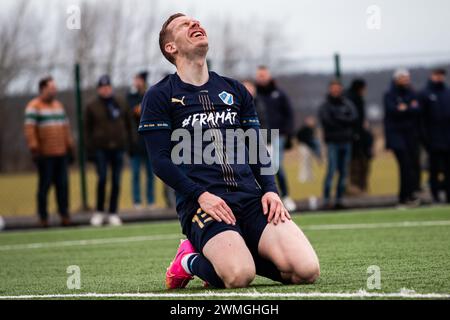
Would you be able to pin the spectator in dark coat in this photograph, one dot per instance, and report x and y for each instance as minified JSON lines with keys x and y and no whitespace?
{"x":138,"y":152}
{"x":259,"y":106}
{"x":338,"y":117}
{"x":362,"y":141}
{"x":278,"y":115}
{"x":402,"y":134}
{"x":435,"y":104}
{"x":109,"y":133}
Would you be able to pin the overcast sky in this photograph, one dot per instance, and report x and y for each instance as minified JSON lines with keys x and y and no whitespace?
{"x":420,"y":28}
{"x":412,"y":31}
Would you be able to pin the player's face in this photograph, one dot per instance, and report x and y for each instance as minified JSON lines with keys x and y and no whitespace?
{"x":105,"y":91}
{"x":310,"y":121}
{"x":139,"y":83}
{"x":403,"y":81}
{"x":49,"y":92}
{"x":263,"y":77}
{"x":335,"y":90}
{"x":188,"y":37}
{"x":438,"y":77}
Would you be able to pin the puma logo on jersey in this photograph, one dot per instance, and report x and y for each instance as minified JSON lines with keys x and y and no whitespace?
{"x":175,"y":100}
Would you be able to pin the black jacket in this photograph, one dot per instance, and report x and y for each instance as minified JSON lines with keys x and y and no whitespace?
{"x":435,"y":116}
{"x":108,"y":125}
{"x":359,"y":103}
{"x":277,"y":107}
{"x":401,"y":126}
{"x":338,"y":117}
{"x":134,"y":100}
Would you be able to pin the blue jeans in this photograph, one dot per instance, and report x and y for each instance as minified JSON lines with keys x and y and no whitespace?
{"x":104,"y":158}
{"x":339,"y":155}
{"x":136,"y":162}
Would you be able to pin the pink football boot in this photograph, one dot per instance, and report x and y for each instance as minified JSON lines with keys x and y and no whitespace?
{"x":176,"y":277}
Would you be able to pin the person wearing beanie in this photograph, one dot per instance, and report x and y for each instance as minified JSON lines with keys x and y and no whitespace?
{"x":108,"y":133}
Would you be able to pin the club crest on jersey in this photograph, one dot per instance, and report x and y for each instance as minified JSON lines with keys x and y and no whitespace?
{"x":227,"y":98}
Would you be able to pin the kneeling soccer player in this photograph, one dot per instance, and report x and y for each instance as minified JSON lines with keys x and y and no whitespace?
{"x":235,"y":223}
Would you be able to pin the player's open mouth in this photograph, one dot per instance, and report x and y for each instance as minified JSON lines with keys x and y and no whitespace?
{"x":197,"y":33}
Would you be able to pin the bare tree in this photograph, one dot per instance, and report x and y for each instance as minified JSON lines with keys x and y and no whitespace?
{"x":84,"y":42}
{"x":17,"y":46}
{"x":239,"y":46}
{"x":149,"y":29}
{"x":115,"y":25}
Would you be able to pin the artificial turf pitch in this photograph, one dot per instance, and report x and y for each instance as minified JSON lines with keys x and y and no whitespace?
{"x":411,"y":248}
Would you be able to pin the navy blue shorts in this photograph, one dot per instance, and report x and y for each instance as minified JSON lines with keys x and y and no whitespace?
{"x":250,"y":222}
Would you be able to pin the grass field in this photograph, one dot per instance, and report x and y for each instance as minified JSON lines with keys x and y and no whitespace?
{"x":411,"y":248}
{"x":18,"y":190}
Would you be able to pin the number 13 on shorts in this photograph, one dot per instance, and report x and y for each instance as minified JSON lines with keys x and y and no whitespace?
{"x":201,"y":218}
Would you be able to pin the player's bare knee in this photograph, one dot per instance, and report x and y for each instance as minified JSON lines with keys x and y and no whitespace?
{"x":239,"y":277}
{"x":306,"y":273}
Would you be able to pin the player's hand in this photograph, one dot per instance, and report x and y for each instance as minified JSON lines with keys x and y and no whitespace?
{"x":216,"y":208}
{"x":274,"y":208}
{"x":402,"y":107}
{"x":34,"y":154}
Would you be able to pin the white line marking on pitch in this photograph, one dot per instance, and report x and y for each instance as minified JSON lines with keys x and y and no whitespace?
{"x":88,"y":242}
{"x":402,"y":224}
{"x":211,"y":294}
{"x":324,"y":227}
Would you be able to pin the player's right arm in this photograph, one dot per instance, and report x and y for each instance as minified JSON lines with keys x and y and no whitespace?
{"x":156,"y":128}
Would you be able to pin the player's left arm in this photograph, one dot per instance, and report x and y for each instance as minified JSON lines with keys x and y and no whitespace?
{"x":272,"y":205}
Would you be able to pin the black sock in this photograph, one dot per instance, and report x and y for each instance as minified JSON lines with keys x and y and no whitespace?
{"x":202,"y":268}
{"x":267,"y":269}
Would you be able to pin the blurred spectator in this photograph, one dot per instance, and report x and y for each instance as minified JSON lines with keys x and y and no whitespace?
{"x":277,"y":110}
{"x":435,"y":104}
{"x":260,"y":108}
{"x":50,"y":141}
{"x":309,"y":147}
{"x":338,"y":117}
{"x":362,"y":141}
{"x":109,"y":132}
{"x":402,"y":135}
{"x":138,"y":152}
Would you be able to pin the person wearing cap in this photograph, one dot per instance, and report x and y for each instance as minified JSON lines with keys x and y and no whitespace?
{"x":138,"y":152}
{"x":401,"y":119}
{"x":435,"y":119}
{"x":108,"y":134}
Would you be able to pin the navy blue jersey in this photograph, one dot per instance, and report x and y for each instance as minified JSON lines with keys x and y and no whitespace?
{"x":220,"y":104}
